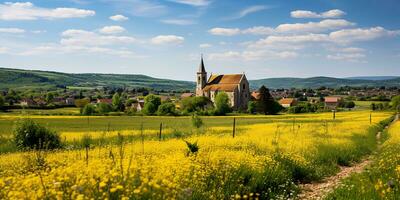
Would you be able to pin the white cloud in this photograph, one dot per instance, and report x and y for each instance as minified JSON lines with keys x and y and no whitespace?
{"x":349,"y":50}
{"x":87,"y":38}
{"x":259,"y":30}
{"x":252,"y":55}
{"x":112,"y":30}
{"x":292,"y":39}
{"x":324,"y":25}
{"x":38,"y":31}
{"x":27,"y":11}
{"x":247,"y":11}
{"x":118,"y":18}
{"x":224,"y":31}
{"x":351,"y":57}
{"x":205,"y":45}
{"x":309,"y":14}
{"x":193,"y":2}
{"x":167,"y":39}
{"x":181,"y":22}
{"x":359,"y":34}
{"x":12,"y":30}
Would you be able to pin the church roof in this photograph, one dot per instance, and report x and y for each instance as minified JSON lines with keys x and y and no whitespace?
{"x":227,"y":82}
{"x":202,"y":69}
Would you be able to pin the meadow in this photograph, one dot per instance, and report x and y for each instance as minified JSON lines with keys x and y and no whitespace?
{"x":126,"y":159}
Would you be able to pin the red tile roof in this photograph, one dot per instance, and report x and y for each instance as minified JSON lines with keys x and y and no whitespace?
{"x":332,"y":99}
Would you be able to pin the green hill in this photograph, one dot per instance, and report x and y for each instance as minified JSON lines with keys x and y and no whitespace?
{"x":33,"y":79}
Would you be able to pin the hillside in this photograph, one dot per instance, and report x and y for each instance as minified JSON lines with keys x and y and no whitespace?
{"x":316,"y":82}
{"x":26,"y":79}
{"x":31,"y":79}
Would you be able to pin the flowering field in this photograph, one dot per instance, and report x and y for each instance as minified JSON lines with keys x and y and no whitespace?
{"x":382,"y":180}
{"x":267,"y":158}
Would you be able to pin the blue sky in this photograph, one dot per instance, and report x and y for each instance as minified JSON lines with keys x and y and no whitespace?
{"x":164,"y":38}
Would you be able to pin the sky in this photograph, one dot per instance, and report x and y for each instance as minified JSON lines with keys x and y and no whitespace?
{"x":165,"y":38}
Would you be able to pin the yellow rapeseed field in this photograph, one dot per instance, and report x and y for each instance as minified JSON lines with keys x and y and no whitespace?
{"x":261,"y":161}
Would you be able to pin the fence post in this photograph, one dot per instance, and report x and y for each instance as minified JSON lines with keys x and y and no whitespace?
{"x":370,"y":118}
{"x":334,"y":114}
{"x":234,"y":127}
{"x":161,"y":126}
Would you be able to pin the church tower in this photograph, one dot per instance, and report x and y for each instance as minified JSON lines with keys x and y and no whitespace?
{"x":201,"y":80}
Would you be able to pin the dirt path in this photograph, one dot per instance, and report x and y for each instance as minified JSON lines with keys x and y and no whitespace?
{"x":318,"y":190}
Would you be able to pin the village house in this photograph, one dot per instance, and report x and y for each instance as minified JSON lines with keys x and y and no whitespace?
{"x":70,"y":101}
{"x":235,"y":86}
{"x":288,"y":102}
{"x":139,"y":105}
{"x":27,"y":102}
{"x":186,"y":95}
{"x":107,"y":101}
{"x":332,"y":102}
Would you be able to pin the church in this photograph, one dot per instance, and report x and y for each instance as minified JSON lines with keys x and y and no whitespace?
{"x":235,"y":86}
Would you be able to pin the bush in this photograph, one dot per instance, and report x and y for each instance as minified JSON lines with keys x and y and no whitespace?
{"x":197,"y":121}
{"x":104,"y":108}
{"x":29,"y":134}
{"x":88,"y":110}
{"x":151,"y":103}
{"x":222,"y":105}
{"x":166,"y":109}
{"x":252,"y":107}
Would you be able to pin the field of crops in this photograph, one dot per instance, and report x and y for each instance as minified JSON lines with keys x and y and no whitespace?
{"x":267,"y":157}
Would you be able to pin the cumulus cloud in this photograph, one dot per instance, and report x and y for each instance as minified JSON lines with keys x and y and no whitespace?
{"x":87,"y":38}
{"x":193,"y":2}
{"x":28,"y":11}
{"x":324,"y":25}
{"x":205,"y":45}
{"x":12,"y":30}
{"x":118,"y":18}
{"x":359,"y":34}
{"x":167,"y":39}
{"x":181,"y":22}
{"x":224,"y":31}
{"x":112,"y":29}
{"x":259,"y":30}
{"x":336,"y":13}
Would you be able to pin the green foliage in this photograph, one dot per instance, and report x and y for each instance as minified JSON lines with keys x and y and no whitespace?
{"x":192,"y":147}
{"x":89,"y":109}
{"x":28,"y":134}
{"x":151,"y":103}
{"x":104,"y":108}
{"x":222,"y":105}
{"x":117,"y":102}
{"x":129,"y":102}
{"x":266,"y":104}
{"x":349,"y":104}
{"x":197,"y":121}
{"x":303,"y":108}
{"x":396,"y":102}
{"x":80,"y":103}
{"x":49,"y":97}
{"x":166,"y":109}
{"x":192,"y":104}
{"x":1,"y":101}
{"x":252,"y":107}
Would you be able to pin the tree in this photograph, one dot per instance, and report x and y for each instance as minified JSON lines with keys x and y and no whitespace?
{"x":191,"y":104}
{"x":151,"y":103}
{"x":166,"y":109}
{"x":349,"y":104}
{"x":222,"y":105}
{"x":1,"y":101}
{"x":88,"y":110}
{"x":396,"y":102}
{"x":252,"y":107}
{"x":373,"y":106}
{"x":266,"y":103}
{"x":104,"y":108}
{"x":49,"y":97}
{"x":117,"y":102}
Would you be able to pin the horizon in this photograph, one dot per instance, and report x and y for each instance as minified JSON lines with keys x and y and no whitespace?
{"x":165,"y":38}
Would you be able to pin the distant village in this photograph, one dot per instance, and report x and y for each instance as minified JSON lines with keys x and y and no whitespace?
{"x":236,"y":86}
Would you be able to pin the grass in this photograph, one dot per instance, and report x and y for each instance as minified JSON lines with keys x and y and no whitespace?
{"x":266,"y":159}
{"x":382,"y":179}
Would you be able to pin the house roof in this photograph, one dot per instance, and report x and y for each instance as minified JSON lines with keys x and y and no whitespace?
{"x":104,"y":101}
{"x":225,"y":79}
{"x":332,"y":99}
{"x":286,"y":101}
{"x":220,"y":87}
{"x":255,"y":95}
{"x":185,"y":95}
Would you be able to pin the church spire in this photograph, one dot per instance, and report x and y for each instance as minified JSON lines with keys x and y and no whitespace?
{"x":202,"y":69}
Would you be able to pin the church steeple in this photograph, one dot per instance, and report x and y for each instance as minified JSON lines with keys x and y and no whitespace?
{"x":201,"y":80}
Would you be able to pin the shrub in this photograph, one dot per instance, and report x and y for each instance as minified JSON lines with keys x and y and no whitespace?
{"x":222,"y":105}
{"x":252,"y":107}
{"x":29,"y":134}
{"x":197,"y":121}
{"x":166,"y":109}
{"x":151,"y":103}
{"x":104,"y":108}
{"x":88,"y":110}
